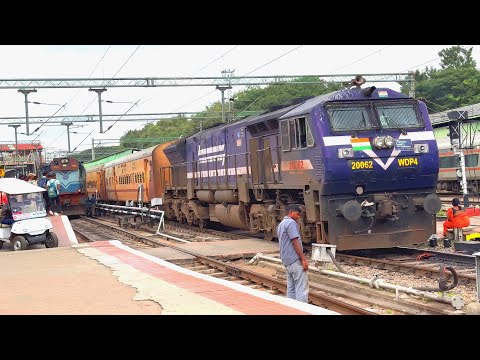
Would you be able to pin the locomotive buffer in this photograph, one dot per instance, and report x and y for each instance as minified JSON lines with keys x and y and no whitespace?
{"x":460,"y":138}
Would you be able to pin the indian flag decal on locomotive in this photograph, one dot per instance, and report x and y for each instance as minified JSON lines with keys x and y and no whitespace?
{"x":361,"y":144}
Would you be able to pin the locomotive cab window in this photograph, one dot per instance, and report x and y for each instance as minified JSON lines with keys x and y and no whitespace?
{"x":349,"y":117}
{"x":399,"y":115}
{"x":296,"y":134}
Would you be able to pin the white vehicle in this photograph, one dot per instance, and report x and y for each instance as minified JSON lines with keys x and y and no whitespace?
{"x":23,"y":219}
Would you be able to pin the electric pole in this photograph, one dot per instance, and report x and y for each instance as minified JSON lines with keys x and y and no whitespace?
{"x":16,"y":141}
{"x":68,"y":124}
{"x":26,"y":92}
{"x":99,"y":92}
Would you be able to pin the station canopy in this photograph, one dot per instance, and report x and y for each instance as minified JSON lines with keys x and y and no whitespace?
{"x":21,"y":147}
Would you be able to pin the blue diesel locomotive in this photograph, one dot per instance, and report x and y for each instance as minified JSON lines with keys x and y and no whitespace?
{"x":71,"y":175}
{"x":363,"y":163}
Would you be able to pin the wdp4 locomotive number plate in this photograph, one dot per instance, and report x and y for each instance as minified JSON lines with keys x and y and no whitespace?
{"x":407,"y":162}
{"x":361,"y":165}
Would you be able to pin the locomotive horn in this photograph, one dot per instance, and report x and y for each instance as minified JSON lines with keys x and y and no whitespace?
{"x":359,"y":80}
{"x":368,"y":91}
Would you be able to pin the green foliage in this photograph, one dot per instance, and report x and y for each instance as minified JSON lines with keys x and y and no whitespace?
{"x":456,"y":57}
{"x":455,"y":84}
{"x":163,"y":130}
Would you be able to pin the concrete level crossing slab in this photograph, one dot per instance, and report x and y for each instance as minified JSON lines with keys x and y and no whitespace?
{"x":169,"y":254}
{"x":230,"y":248}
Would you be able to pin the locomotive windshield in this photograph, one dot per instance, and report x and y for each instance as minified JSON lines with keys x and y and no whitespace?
{"x":374,"y":115}
{"x":350,"y":118}
{"x":396,"y":116}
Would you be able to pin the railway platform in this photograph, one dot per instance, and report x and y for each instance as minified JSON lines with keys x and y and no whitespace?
{"x":110,"y":278}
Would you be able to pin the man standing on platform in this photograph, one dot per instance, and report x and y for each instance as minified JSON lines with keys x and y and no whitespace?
{"x":291,"y":253}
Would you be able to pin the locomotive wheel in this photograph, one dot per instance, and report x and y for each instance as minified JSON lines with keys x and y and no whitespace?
{"x":19,"y":243}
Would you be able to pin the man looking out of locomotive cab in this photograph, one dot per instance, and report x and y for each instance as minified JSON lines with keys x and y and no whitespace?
{"x":291,"y":253}
{"x":456,"y":217}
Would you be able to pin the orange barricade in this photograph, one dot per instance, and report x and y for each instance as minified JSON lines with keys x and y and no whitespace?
{"x":63,"y":229}
{"x":471,"y":211}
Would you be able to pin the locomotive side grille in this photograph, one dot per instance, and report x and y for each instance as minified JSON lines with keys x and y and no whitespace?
{"x":318,"y":164}
{"x":252,"y":129}
{"x":262,"y":126}
{"x":272,"y":124}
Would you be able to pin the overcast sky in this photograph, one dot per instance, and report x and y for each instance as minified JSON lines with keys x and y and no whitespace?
{"x":81,"y":61}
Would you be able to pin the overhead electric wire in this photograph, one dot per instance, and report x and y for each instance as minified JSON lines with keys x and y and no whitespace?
{"x":416,"y":66}
{"x":78,"y":91}
{"x":205,"y":95}
{"x":126,"y":61}
{"x":221,"y":56}
{"x":121,"y":67}
{"x":279,"y":57}
{"x":131,"y":107}
{"x":375,"y":52}
{"x":83,"y":140}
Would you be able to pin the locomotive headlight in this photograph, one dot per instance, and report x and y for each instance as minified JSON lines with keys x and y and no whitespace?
{"x":389,"y":142}
{"x":378,"y":142}
{"x":345,"y":153}
{"x":420,"y":148}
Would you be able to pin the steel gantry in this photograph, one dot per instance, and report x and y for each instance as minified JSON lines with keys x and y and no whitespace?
{"x":197,"y":81}
{"x":222,"y":83}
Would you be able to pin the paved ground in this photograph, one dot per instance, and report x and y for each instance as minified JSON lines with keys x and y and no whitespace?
{"x":108,"y":278}
{"x":62,"y":281}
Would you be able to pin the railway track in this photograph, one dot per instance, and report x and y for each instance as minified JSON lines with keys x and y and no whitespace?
{"x":181,"y":231}
{"x":371,"y":299}
{"x":414,"y":261}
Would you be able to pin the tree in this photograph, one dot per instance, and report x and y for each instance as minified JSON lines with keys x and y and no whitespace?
{"x":456,"y":57}
{"x":455,"y":84}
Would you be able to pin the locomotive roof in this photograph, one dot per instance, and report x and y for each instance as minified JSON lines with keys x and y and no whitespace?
{"x":252,"y":119}
{"x":306,"y":106}
{"x":269,"y":115}
{"x":345,"y":94}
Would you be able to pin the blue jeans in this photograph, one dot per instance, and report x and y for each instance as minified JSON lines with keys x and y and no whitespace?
{"x":297,"y":282}
{"x":55,"y":204}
